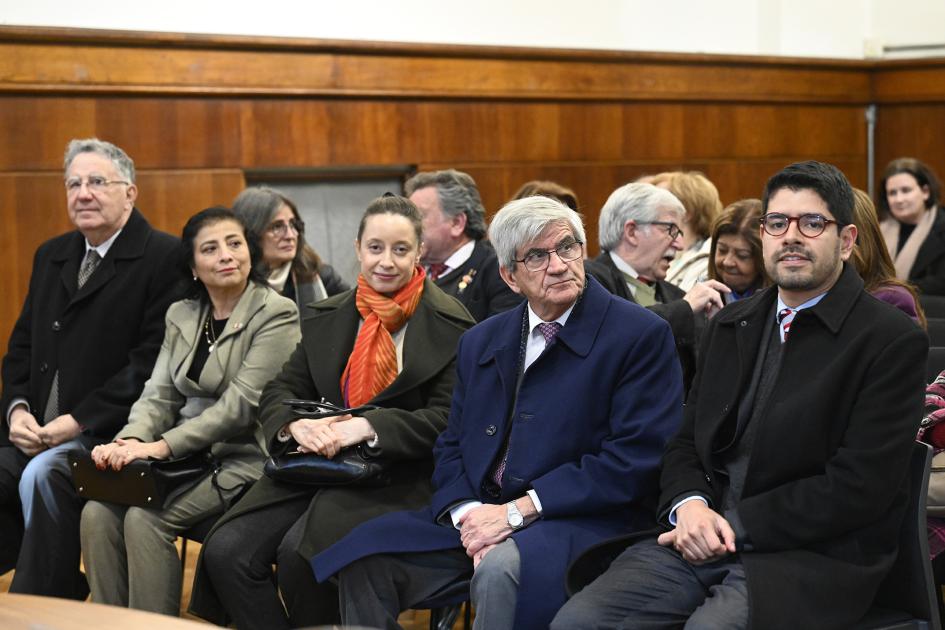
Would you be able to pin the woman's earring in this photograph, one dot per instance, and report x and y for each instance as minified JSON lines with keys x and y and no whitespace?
{"x":195,"y":278}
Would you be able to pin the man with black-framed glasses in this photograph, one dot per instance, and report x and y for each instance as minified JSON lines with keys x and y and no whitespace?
{"x":640,"y":234}
{"x":83,"y":346}
{"x":783,"y":494}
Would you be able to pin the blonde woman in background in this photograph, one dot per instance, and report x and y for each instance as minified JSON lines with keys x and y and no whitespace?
{"x":700,"y":198}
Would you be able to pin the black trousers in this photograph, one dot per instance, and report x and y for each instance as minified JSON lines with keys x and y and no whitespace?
{"x":238,"y":559}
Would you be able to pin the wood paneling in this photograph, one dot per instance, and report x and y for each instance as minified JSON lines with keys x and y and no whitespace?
{"x":166,"y":65}
{"x":911,"y":113}
{"x":196,"y":112}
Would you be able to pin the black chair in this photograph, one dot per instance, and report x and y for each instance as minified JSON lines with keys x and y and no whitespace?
{"x":445,"y":607}
{"x":936,"y":330}
{"x":907,"y":597}
{"x":935,"y":363}
{"x":933,"y":305}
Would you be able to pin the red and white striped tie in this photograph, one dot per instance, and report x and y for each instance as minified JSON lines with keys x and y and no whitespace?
{"x":785,"y":317}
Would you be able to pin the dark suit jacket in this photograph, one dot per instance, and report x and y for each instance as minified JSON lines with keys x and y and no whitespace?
{"x":103,"y":338}
{"x":928,"y":271}
{"x":413,"y":413}
{"x":586,"y":431}
{"x":485,"y":293}
{"x":672,"y":308}
{"x":826,"y":484}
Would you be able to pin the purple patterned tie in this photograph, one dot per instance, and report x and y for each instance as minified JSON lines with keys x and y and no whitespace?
{"x":548,"y":330}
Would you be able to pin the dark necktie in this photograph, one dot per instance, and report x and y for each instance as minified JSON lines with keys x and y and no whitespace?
{"x":785,"y":317}
{"x":548,"y":330}
{"x":88,"y":266}
{"x":92,"y":259}
{"x":436,"y":270}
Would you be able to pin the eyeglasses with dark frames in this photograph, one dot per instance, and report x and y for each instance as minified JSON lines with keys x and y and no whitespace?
{"x":810,"y":225}
{"x":94,"y":183}
{"x":672,"y":229}
{"x":539,"y":259}
{"x":281,"y":228}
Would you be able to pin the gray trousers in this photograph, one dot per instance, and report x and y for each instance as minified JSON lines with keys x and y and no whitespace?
{"x":375,"y":589}
{"x":129,"y":552}
{"x":649,"y":587}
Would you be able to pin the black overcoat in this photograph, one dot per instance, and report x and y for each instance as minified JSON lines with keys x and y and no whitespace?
{"x":477,"y":284}
{"x":825,"y":489}
{"x":103,"y":338}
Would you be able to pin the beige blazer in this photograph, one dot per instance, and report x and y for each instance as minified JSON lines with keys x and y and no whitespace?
{"x":219,"y":411}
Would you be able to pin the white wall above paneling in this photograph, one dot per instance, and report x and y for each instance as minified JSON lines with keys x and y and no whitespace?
{"x":814,"y":28}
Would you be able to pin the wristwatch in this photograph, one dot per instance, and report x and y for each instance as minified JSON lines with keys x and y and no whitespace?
{"x":514,"y":517}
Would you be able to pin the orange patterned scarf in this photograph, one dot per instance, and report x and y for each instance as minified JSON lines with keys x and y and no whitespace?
{"x":372,"y":365}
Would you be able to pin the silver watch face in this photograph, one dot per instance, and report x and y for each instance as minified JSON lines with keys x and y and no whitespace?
{"x":515,"y":517}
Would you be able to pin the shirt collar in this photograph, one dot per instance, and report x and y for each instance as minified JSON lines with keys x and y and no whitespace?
{"x":623,"y":266}
{"x":534,"y":320}
{"x":809,"y":303}
{"x":102,"y":249}
{"x":460,"y":256}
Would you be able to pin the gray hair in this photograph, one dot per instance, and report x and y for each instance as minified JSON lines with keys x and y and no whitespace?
{"x":458,"y":194}
{"x":522,"y":221}
{"x":637,"y":202}
{"x":123,"y":164}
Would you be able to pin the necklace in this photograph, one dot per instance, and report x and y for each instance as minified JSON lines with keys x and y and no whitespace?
{"x":209,"y":333}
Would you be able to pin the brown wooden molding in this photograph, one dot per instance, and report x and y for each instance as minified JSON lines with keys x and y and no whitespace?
{"x":910,"y":83}
{"x":65,"y":61}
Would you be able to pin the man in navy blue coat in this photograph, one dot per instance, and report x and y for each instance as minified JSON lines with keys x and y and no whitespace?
{"x":560,"y":414}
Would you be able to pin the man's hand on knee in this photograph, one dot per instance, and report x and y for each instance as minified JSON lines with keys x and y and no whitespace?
{"x":24,"y":432}
{"x":701,"y":534}
{"x":59,"y":430}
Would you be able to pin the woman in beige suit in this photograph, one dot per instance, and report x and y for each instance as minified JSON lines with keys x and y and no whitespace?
{"x":220,"y":348}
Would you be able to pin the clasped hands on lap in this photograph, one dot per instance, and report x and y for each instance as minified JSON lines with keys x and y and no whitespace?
{"x":327,"y":436}
{"x":32,"y":438}
{"x":486,"y":526}
{"x":122,"y":452}
{"x":701,"y":534}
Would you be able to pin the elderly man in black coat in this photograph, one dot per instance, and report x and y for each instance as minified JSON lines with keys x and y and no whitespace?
{"x":639,"y":234}
{"x":79,"y":354}
{"x":784,"y":492}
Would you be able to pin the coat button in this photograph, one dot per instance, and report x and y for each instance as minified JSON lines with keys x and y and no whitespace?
{"x":743,"y":323}
{"x":56,"y":326}
{"x":708,"y":480}
{"x":490,"y":430}
{"x":43,"y":368}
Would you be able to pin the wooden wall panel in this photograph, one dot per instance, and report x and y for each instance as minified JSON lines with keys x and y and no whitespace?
{"x":196,"y":112}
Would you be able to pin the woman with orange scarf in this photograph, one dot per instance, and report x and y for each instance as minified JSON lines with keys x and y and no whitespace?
{"x":391,"y":342}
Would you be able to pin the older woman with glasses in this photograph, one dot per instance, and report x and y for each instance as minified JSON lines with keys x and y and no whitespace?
{"x":288,"y":262}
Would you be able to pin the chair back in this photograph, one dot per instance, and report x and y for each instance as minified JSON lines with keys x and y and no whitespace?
{"x":909,"y":586}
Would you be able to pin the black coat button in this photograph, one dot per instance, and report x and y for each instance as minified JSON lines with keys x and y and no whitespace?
{"x":56,"y":326}
{"x":43,"y":368}
{"x":490,"y":430}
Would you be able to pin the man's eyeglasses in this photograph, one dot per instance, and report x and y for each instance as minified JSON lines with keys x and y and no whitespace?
{"x":810,"y":225}
{"x":538,"y":259}
{"x":672,"y":229}
{"x":281,"y":228}
{"x":95,"y":184}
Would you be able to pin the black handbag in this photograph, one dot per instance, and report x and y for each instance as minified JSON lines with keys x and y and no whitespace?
{"x":350,"y":467}
{"x":141,"y":483}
